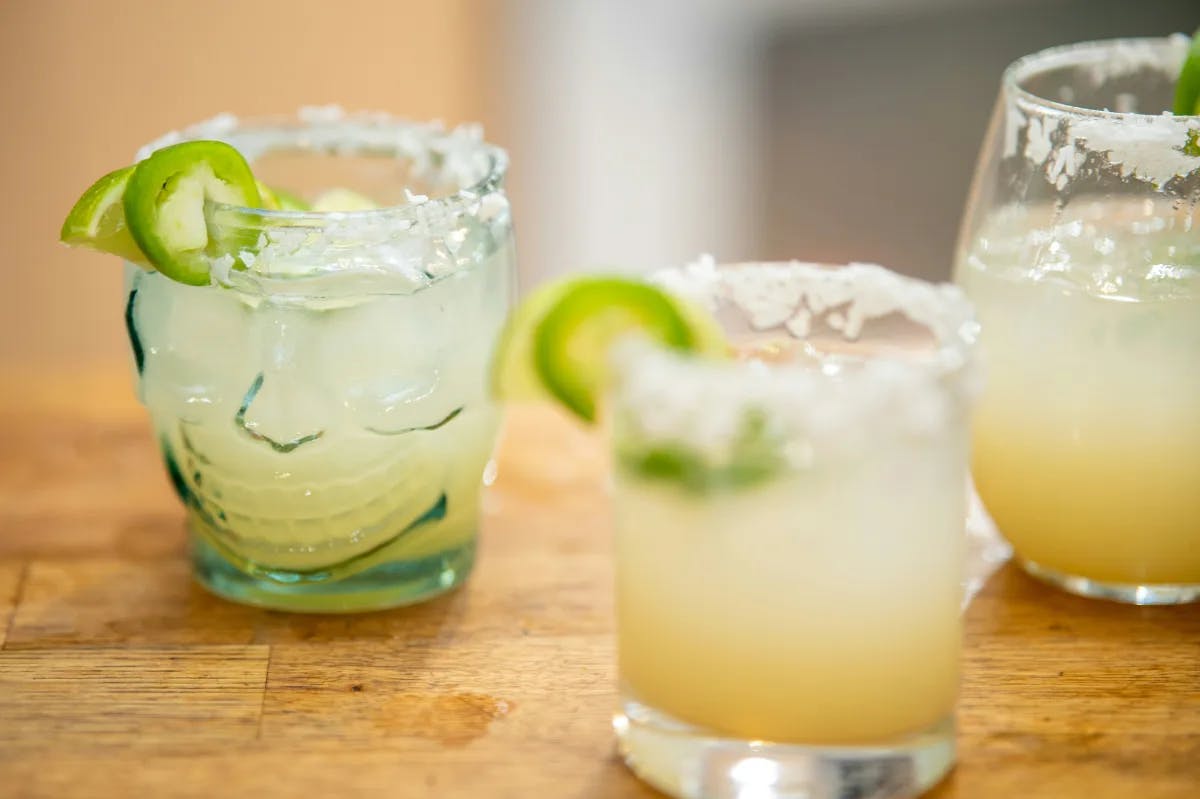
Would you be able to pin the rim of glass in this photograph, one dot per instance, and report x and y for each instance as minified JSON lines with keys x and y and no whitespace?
{"x":666,"y":396}
{"x":292,"y":130}
{"x":1081,"y":54}
{"x":940,"y":308}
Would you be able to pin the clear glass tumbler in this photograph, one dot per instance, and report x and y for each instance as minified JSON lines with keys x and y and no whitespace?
{"x":790,"y":536}
{"x":322,"y":405}
{"x":1081,"y":252}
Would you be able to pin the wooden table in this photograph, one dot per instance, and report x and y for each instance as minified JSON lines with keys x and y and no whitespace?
{"x":121,"y":678}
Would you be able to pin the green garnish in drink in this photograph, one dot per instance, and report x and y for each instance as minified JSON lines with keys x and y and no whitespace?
{"x":276,"y":199}
{"x":755,"y":456}
{"x":343,"y":200}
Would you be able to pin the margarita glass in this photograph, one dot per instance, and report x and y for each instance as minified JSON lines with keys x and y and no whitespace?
{"x":790,"y":535}
{"x":1081,"y":252}
{"x":321,"y":404}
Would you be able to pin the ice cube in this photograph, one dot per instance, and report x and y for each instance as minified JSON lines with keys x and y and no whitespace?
{"x":196,"y":363}
{"x":471,"y":243}
{"x":385,"y":360}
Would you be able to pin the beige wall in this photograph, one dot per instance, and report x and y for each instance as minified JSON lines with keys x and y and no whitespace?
{"x":83,"y":84}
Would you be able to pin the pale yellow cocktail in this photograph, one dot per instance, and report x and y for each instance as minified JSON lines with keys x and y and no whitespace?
{"x":1080,"y":248}
{"x":790,"y":535}
{"x":820,"y":608}
{"x":1087,"y":440}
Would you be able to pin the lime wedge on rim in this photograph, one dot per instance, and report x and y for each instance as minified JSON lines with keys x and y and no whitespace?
{"x":280,"y":199}
{"x":288,"y":201}
{"x":343,"y":200}
{"x":1187,"y":89}
{"x":97,"y":221}
{"x":164,"y":203}
{"x":274,"y":199}
{"x":557,"y":342}
{"x":269,"y":197}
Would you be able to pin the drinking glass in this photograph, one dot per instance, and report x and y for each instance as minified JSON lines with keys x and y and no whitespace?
{"x":322,"y":405}
{"x":790,"y":536}
{"x":1081,"y":251}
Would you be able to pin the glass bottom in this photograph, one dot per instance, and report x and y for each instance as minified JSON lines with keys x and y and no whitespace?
{"x":688,"y":762}
{"x":1129,"y":593}
{"x":387,"y":585}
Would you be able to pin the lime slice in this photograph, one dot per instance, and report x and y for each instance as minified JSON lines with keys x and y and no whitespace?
{"x":343,"y":200}
{"x":557,"y":342}
{"x":98,"y":219}
{"x":288,"y":201}
{"x":164,"y":203}
{"x":279,"y":199}
{"x":514,"y":374}
{"x":1187,"y":90}
{"x":270,"y":198}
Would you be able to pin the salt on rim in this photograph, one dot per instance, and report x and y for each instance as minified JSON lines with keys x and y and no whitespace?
{"x":465,"y":159}
{"x":703,"y":403}
{"x":1117,"y":58}
{"x":386,"y":242}
{"x":1060,"y":135}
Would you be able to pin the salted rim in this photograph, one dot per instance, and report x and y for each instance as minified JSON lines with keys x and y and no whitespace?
{"x":351,"y":130}
{"x":942,"y":308}
{"x":1170,"y":50}
{"x":704,"y":403}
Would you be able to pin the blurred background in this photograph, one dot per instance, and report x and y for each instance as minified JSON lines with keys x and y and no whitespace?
{"x":642,"y":132}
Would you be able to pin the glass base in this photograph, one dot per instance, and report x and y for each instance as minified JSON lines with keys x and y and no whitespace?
{"x":387,"y":585}
{"x":688,"y":762}
{"x":1129,"y":593}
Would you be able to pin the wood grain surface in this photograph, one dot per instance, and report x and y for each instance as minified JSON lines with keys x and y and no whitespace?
{"x":119,"y":677}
